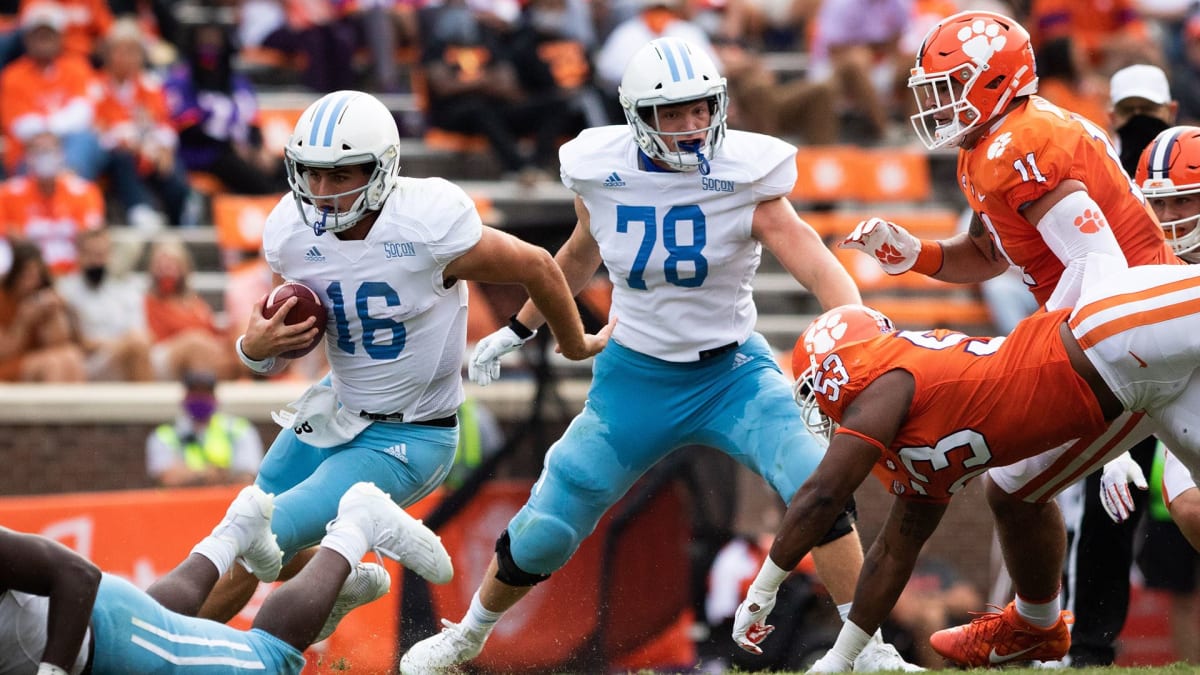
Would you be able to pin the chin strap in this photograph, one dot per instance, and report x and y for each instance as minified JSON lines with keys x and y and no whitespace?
{"x":318,"y":226}
{"x":694,"y":147}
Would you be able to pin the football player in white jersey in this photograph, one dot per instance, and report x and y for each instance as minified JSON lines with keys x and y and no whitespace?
{"x":60,"y":614}
{"x":386,"y":254}
{"x":678,"y":212}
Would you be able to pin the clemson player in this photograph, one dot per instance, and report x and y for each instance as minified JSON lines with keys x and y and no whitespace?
{"x":927,"y":411}
{"x":1047,"y":189}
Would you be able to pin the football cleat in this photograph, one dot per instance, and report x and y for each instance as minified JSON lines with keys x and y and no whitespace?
{"x":247,"y":525}
{"x":1000,"y":638}
{"x":393,"y":533}
{"x":880,"y":656}
{"x":440,"y":653}
{"x":367,"y":582}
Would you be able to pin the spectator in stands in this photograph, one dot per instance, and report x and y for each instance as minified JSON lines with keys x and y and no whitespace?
{"x":555,"y":71}
{"x":1111,"y":33}
{"x":87,"y":22}
{"x":215,"y":110}
{"x":49,"y":205}
{"x":325,"y":35}
{"x":1067,"y":80}
{"x":655,"y":18}
{"x":137,"y":131}
{"x":182,"y":324}
{"x":109,"y":308}
{"x":863,"y":56}
{"x":203,"y":446}
{"x":48,"y":89}
{"x":473,"y":87}
{"x":1140,"y":108}
{"x":37,"y":340}
{"x":1185,"y":73}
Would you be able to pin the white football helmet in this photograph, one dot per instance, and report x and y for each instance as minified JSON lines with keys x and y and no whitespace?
{"x":665,"y":72}
{"x":343,"y":129}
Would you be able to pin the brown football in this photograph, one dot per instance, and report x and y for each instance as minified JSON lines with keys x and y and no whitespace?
{"x":309,"y":304}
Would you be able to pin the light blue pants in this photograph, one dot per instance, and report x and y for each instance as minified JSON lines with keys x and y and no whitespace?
{"x":639,"y":409}
{"x":135,"y":634}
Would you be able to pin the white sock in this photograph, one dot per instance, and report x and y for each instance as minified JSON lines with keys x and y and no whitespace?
{"x":479,"y":619}
{"x":844,"y":611}
{"x":1040,"y":614}
{"x":850,"y":642}
{"x":348,"y":541}
{"x":219,"y":551}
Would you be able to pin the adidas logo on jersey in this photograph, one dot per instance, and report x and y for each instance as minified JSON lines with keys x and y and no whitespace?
{"x":740,"y":360}
{"x":313,"y":255}
{"x":613,"y":180}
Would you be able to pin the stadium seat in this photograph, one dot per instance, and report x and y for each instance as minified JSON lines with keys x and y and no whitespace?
{"x":842,"y":173}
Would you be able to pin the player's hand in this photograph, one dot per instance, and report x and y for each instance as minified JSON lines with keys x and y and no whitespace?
{"x":592,"y":344}
{"x":750,"y":621}
{"x":266,"y":338}
{"x":831,"y":663}
{"x":1114,"y":486}
{"x":894,"y":248}
{"x":484,"y":365}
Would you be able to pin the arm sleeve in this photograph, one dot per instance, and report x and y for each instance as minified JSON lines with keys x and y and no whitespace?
{"x":1072,"y":229}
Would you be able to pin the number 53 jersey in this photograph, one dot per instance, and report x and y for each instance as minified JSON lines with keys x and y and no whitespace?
{"x":979,"y":403}
{"x":395,"y":335}
{"x":677,"y":246}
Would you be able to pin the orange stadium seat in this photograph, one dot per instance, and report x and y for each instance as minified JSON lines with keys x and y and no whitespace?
{"x":239,"y":220}
{"x":277,"y":125}
{"x":839,"y":173}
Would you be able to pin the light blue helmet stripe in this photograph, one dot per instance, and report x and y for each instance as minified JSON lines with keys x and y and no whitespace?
{"x":687,"y":62}
{"x":312,"y":137}
{"x":670,"y":56}
{"x":333,"y":117}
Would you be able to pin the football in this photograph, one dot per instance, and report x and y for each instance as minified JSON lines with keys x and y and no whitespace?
{"x":309,"y":304}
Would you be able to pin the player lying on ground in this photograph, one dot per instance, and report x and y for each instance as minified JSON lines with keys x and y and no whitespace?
{"x":927,"y":411}
{"x":58,"y":608}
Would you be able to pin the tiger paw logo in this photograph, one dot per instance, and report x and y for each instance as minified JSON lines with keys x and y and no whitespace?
{"x":888,"y":255}
{"x":1090,"y":221}
{"x":981,"y":39}
{"x":999,"y":145}
{"x":823,"y":336}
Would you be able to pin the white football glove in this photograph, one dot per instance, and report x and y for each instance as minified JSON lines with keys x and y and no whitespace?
{"x":485,"y":360}
{"x":893,"y":247}
{"x":749,"y":625}
{"x":832,"y":662}
{"x":1114,"y":486}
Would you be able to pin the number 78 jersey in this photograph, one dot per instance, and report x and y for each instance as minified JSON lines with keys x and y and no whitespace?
{"x":979,"y":403}
{"x":677,"y":245}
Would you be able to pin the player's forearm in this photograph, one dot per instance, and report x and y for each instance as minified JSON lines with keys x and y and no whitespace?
{"x":551,"y":302}
{"x":71,"y":597}
{"x":578,"y":265}
{"x":964,"y":263}
{"x":809,"y":516}
{"x":880,"y":583}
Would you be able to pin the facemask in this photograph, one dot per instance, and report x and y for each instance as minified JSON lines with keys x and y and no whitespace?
{"x":1135,"y":135}
{"x":200,"y":407}
{"x":45,"y":164}
{"x":93,"y":275}
{"x":167,"y":285}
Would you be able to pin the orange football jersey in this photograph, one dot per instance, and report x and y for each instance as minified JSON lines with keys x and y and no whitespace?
{"x":1031,"y":151}
{"x":979,"y":402}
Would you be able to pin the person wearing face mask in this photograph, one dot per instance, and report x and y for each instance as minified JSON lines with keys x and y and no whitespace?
{"x":203,"y":446}
{"x":109,"y":311}
{"x":49,"y":205}
{"x":1141,"y":107}
{"x":182,"y":324}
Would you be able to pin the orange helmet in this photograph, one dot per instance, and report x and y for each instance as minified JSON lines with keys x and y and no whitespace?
{"x":969,"y":68}
{"x":1170,"y":167}
{"x":839,"y":327}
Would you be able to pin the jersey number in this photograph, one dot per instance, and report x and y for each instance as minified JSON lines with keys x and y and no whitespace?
{"x":373,"y":329}
{"x":676,"y":252}
{"x":938,"y":458}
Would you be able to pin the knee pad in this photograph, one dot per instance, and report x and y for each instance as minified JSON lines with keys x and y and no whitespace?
{"x":509,"y":573}
{"x":844,"y":524}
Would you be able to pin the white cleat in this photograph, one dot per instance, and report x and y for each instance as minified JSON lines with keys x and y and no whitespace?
{"x":880,"y":656}
{"x":442,"y":652}
{"x":393,"y":533}
{"x":247,"y":525}
{"x":367,"y":582}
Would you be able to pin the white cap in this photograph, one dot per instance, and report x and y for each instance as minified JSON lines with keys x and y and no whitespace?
{"x":48,"y":14}
{"x":1140,"y":81}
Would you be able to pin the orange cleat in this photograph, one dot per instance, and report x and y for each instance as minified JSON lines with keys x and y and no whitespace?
{"x":1000,"y":638}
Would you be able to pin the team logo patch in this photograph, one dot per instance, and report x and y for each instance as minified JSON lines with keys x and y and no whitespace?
{"x":314,"y":255}
{"x":716,"y":184}
{"x":1090,"y":221}
{"x":981,"y":39}
{"x":401,"y":249}
{"x":999,"y":145}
